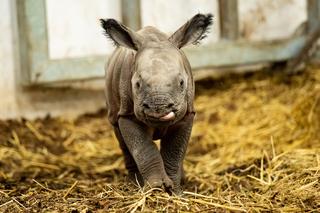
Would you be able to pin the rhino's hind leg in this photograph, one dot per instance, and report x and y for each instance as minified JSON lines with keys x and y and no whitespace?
{"x":183,"y":175}
{"x":133,"y":172}
{"x":173,"y":149}
{"x":145,"y":153}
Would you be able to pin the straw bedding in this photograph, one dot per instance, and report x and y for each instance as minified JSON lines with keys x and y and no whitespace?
{"x":255,"y":147}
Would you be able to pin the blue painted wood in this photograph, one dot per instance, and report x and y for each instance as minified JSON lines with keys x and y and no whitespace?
{"x":44,"y":70}
{"x":313,"y":12}
{"x":131,"y":16}
{"x":73,"y":69}
{"x":219,"y":54}
{"x":37,"y":36}
{"x":35,"y":54}
{"x":228,"y":19}
{"x":23,"y":77}
{"x":226,"y":53}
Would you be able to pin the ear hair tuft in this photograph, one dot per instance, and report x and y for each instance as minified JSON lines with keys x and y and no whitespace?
{"x":193,"y":31}
{"x":107,"y":24}
{"x":203,"y":22}
{"x":120,"y":34}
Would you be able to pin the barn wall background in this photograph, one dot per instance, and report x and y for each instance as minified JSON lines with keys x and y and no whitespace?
{"x":7,"y":68}
{"x":74,"y":32}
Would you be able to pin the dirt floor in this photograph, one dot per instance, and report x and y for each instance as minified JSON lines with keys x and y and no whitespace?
{"x":255,"y":147}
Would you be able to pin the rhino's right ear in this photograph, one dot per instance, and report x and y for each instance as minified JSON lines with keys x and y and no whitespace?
{"x":193,"y":31}
{"x":120,"y":34}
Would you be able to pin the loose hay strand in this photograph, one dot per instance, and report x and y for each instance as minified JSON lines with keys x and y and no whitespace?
{"x":217,"y":205}
{"x":42,"y":186}
{"x":254,"y":147}
{"x":70,"y":189}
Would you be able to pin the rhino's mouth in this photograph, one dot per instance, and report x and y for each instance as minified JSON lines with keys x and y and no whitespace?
{"x":160,"y":118}
{"x":168,"y":117}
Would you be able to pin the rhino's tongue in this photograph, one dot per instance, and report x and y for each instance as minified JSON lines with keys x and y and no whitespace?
{"x":168,"y":117}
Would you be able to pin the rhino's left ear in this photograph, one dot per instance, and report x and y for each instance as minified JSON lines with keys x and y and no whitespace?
{"x":193,"y":31}
{"x":120,"y":34}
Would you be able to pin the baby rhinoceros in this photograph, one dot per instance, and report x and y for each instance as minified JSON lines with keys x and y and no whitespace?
{"x":149,"y":95}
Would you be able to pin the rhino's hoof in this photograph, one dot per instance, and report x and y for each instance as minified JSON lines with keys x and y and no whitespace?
{"x":136,"y":178}
{"x":177,"y":190}
{"x":168,"y":183}
{"x":159,"y":182}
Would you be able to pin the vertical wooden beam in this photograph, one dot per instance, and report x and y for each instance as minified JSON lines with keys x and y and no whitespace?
{"x":36,"y":65}
{"x":33,"y":37}
{"x":131,"y":16}
{"x":313,"y":23}
{"x":229,"y":25}
{"x":23,"y":43}
{"x":313,"y":11}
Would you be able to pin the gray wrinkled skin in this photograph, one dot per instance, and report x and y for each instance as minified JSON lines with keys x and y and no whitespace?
{"x":163,"y":84}
{"x":149,"y":96}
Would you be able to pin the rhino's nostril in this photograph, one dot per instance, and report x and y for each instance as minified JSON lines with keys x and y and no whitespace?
{"x":145,"y":105}
{"x":170,"y":105}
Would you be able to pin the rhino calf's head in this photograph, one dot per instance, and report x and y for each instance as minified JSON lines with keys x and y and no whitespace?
{"x":161,"y":79}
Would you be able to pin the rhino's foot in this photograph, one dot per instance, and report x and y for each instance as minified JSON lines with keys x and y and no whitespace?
{"x":136,"y":178}
{"x":183,"y":176}
{"x":177,"y":181}
{"x":160,"y":181}
{"x":177,"y":190}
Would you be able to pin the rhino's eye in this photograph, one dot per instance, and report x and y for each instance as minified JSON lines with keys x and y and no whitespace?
{"x":138,"y":85}
{"x":181,"y":83}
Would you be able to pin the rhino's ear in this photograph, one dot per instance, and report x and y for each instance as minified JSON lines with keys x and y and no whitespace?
{"x":120,"y":34}
{"x":193,"y":31}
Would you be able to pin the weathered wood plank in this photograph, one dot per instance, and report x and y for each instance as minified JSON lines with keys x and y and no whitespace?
{"x":71,"y":69}
{"x":305,"y":52}
{"x":23,"y":49}
{"x":33,"y":37}
{"x":313,"y":12}
{"x":36,"y":65}
{"x":228,"y":16}
{"x":37,"y":36}
{"x":131,"y":15}
{"x":226,"y":53}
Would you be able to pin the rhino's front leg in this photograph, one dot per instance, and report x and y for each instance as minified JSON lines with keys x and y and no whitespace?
{"x":173,"y":149}
{"x":131,"y":166}
{"x":144,"y":152}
